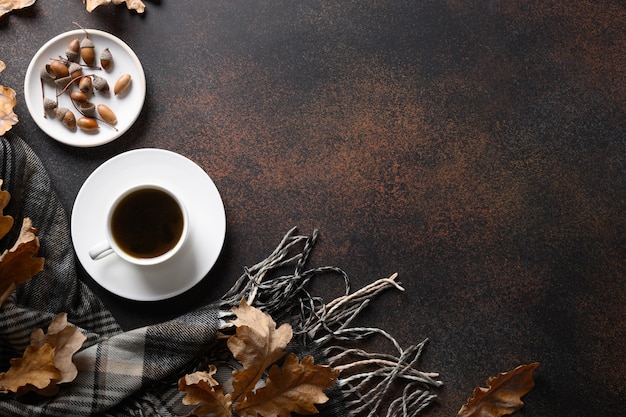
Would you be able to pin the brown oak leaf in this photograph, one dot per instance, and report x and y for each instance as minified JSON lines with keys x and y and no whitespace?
{"x":503,"y":395}
{"x":136,"y":5}
{"x":34,"y":369}
{"x":8,"y":5}
{"x":6,"y":222}
{"x":7,"y":102}
{"x":201,"y":388}
{"x":47,"y":361}
{"x":20,"y":263}
{"x":67,"y":340}
{"x":260,"y":387}
{"x":256,"y":344}
{"x":296,"y":387}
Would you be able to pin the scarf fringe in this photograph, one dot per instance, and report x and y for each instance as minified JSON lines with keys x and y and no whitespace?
{"x":367,"y":380}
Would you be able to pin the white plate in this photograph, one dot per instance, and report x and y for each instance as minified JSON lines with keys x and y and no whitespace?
{"x":126,"y":106}
{"x":207,"y":221}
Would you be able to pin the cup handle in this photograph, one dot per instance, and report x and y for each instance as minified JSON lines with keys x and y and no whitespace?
{"x":100,"y":250}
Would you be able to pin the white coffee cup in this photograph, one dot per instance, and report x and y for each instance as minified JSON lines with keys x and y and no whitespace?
{"x":146,"y":224}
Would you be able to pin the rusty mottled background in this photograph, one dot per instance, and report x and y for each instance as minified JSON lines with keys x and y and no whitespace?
{"x":477,"y":148}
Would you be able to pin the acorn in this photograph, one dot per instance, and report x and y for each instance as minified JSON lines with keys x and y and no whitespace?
{"x":87,"y":50}
{"x":59,"y":69}
{"x":86,"y":47}
{"x":46,"y":74}
{"x":106,"y":59}
{"x":85,"y":85}
{"x":79,"y":97}
{"x":66,"y":117}
{"x":73,"y":51}
{"x":122,"y":84}
{"x":75,"y":70}
{"x":107,"y":114}
{"x":87,"y":123}
{"x":100,"y":84}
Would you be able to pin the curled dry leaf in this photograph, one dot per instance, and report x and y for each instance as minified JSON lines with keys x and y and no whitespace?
{"x":201,"y":388}
{"x":503,"y":395}
{"x":8,"y":5}
{"x":257,"y":344}
{"x":136,"y":5}
{"x":46,"y":362}
{"x":18,"y":264}
{"x":296,"y":387}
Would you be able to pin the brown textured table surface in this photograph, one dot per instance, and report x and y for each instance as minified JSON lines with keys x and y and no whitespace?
{"x":477,"y":148}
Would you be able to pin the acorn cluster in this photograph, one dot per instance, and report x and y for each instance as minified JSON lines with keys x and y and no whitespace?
{"x":76,"y":75}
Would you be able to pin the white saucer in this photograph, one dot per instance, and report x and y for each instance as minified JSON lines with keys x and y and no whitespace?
{"x":206,"y":217}
{"x":126,"y":106}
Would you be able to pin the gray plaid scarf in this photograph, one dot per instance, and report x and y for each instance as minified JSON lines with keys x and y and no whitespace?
{"x":134,"y":373}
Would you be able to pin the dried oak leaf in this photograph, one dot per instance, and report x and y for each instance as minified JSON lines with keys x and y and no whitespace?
{"x":136,"y":5}
{"x":20,"y":263}
{"x":46,"y":362}
{"x":7,"y":102}
{"x":66,"y":339}
{"x":256,"y":344}
{"x":296,"y":387}
{"x":6,"y":222}
{"x":34,"y":369}
{"x":8,"y":5}
{"x":503,"y":395}
{"x":201,"y":388}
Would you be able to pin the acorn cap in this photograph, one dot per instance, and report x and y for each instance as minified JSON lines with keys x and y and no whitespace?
{"x":100,"y":84}
{"x":49,"y":104}
{"x":47,"y":74}
{"x":63,"y":82}
{"x":86,"y":43}
{"x":106,"y":55}
{"x":60,"y":112}
{"x":75,"y":70}
{"x":88,"y":109}
{"x":72,"y":51}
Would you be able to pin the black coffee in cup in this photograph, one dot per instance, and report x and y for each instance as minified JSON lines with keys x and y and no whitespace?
{"x":147,"y":223}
